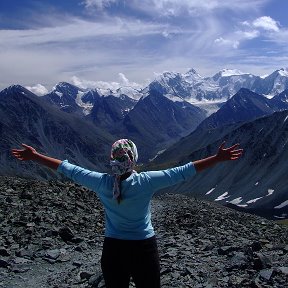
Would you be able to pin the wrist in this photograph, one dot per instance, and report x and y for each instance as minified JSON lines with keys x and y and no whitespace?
{"x":217,"y":158}
{"x":36,"y":156}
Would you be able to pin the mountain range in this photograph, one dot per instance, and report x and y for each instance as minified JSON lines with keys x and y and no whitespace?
{"x":175,"y":119}
{"x":193,"y":87}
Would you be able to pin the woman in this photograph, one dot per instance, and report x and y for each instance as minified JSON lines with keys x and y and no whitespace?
{"x":130,"y":248}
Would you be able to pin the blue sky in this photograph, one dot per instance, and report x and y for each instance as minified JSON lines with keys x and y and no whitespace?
{"x":92,"y":42}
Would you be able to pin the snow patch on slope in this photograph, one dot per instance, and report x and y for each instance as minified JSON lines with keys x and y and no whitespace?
{"x":87,"y":107}
{"x":283,"y":204}
{"x":222,"y":197}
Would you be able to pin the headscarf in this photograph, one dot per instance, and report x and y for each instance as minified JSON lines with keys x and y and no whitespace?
{"x":123,"y":158}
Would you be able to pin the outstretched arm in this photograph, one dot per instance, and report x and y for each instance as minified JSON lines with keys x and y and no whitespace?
{"x":230,"y":153}
{"x":29,"y":153}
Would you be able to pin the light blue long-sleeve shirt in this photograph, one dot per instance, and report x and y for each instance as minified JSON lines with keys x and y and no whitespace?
{"x":131,"y":219}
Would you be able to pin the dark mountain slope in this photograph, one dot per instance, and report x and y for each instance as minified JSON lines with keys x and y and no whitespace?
{"x":244,"y":106}
{"x":281,"y":100}
{"x":258,"y":180}
{"x":25,"y":118}
{"x":109,"y":111}
{"x":156,"y":122}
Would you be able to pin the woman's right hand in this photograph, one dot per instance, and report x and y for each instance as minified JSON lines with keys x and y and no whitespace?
{"x":28,"y":153}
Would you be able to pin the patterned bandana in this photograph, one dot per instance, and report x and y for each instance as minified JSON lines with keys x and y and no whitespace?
{"x":123,"y":158}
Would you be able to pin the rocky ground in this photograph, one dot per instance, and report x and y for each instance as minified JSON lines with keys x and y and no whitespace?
{"x":51,"y":235}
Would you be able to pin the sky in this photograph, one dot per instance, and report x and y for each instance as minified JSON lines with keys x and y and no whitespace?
{"x":130,"y":42}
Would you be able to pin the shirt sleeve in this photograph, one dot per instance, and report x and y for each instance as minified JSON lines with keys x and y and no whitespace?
{"x":166,"y":178}
{"x":85,"y":177}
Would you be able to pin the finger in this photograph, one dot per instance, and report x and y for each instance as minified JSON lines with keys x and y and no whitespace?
{"x":19,"y":152}
{"x":236,"y":152}
{"x":16,"y":155}
{"x":235,"y":155}
{"x":233,"y":147}
{"x":26,"y":146}
{"x":234,"y":158}
{"x":222,"y":145}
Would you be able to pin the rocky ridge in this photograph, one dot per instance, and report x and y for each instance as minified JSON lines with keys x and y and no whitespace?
{"x":51,"y":235}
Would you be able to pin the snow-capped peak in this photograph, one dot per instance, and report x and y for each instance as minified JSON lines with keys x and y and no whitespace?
{"x":192,"y":74}
{"x":166,"y":75}
{"x":283,"y":72}
{"x":231,"y":72}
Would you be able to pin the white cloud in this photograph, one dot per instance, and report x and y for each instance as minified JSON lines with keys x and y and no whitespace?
{"x":113,"y":85}
{"x":99,"y":4}
{"x":123,"y":80}
{"x":38,"y":89}
{"x":226,"y":42}
{"x":249,"y":34}
{"x":280,"y":38}
{"x":89,"y":84}
{"x":266,"y":23}
{"x":80,"y":30}
{"x":251,"y":30}
{"x":176,"y":7}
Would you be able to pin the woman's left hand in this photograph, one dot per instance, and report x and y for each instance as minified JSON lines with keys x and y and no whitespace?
{"x":230,"y":153}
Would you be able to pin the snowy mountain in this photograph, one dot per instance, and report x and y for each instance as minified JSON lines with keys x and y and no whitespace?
{"x":189,"y":86}
{"x":272,"y":84}
{"x":26,"y":118}
{"x":229,"y":82}
{"x":208,"y":93}
{"x":64,"y":96}
{"x":197,"y":90}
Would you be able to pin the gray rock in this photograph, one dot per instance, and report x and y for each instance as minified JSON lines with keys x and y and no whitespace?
{"x":52,"y":254}
{"x":283,"y":270}
{"x":238,"y":261}
{"x":187,"y":229}
{"x":77,"y":263}
{"x":66,"y":234}
{"x":261,"y":262}
{"x":95,"y":280}
{"x":225,"y":250}
{"x":4,"y":252}
{"x":85,"y":275}
{"x":266,"y":274}
{"x":20,"y":268}
{"x":4,"y":263}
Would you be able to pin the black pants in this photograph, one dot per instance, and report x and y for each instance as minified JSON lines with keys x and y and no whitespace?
{"x":122,"y":259}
